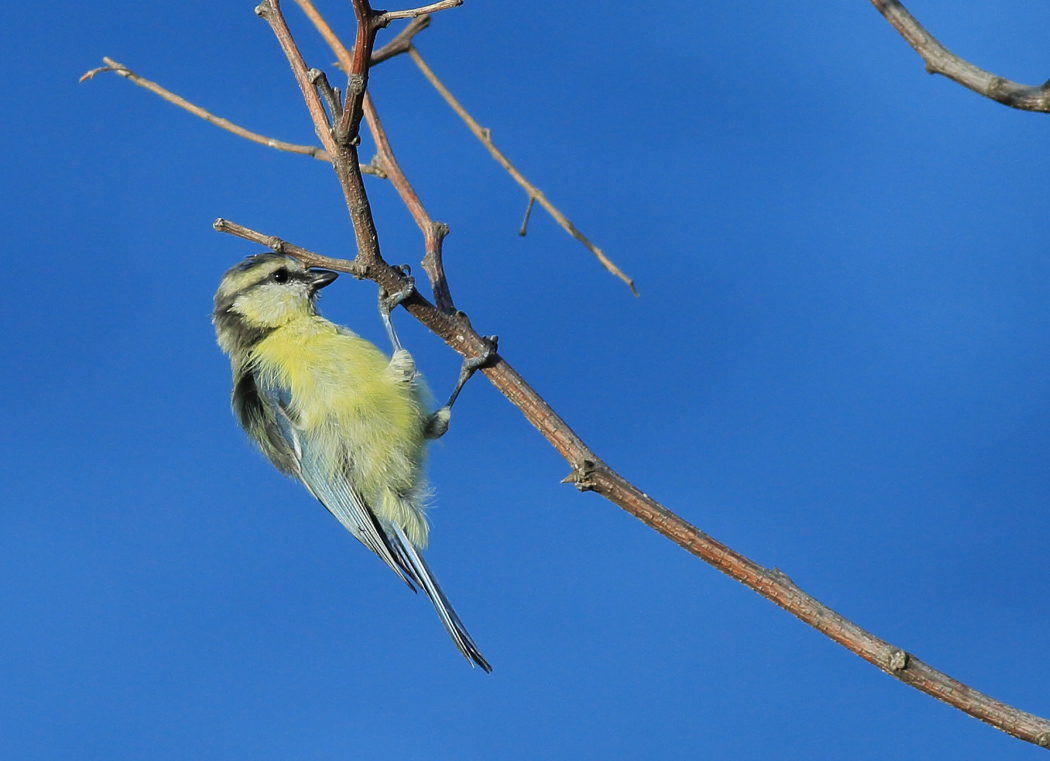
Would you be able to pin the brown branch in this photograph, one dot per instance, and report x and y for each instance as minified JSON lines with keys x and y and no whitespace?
{"x":485,"y":137}
{"x":308,"y":150}
{"x":591,"y":474}
{"x":357,"y":67}
{"x":275,"y":244}
{"x":339,"y":140}
{"x":940,"y":60}
{"x":433,"y":232}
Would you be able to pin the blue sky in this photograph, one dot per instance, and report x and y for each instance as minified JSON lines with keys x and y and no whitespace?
{"x":838,"y":366}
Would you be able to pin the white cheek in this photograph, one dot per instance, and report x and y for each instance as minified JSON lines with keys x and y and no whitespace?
{"x":274,"y":303}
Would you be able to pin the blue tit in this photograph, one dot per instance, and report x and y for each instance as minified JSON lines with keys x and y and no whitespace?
{"x":333,"y":411}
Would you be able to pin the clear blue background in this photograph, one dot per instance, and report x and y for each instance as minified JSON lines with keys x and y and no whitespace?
{"x":839,"y":366}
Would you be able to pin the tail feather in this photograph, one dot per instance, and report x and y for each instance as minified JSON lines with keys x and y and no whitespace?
{"x":417,"y":569}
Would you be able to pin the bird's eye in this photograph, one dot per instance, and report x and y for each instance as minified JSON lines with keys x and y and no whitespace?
{"x":280,"y":276}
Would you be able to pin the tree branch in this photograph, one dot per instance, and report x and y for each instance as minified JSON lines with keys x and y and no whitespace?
{"x":402,"y":42}
{"x":940,"y":60}
{"x":433,"y":232}
{"x":589,"y":473}
{"x":535,"y":194}
{"x":386,"y":17}
{"x":122,"y":70}
{"x":339,"y":140}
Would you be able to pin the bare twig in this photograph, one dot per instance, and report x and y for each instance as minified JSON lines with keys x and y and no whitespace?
{"x":589,"y":473}
{"x":940,"y":60}
{"x":122,"y":70}
{"x":485,"y":137}
{"x":386,"y":17}
{"x":304,"y":150}
{"x":278,"y":246}
{"x":525,"y":222}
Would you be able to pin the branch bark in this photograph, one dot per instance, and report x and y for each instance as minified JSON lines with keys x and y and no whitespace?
{"x":589,"y":473}
{"x":940,"y":60}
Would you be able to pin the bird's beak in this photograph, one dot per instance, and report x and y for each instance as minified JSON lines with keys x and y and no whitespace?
{"x":320,"y":278}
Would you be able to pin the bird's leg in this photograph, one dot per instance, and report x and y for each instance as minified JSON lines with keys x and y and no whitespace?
{"x":437,"y":425}
{"x":387,"y":302}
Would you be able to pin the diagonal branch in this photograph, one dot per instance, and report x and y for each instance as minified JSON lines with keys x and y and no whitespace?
{"x":433,"y":232}
{"x":535,"y":194}
{"x":306,"y":150}
{"x":122,"y":70}
{"x":940,"y":60}
{"x":589,"y":473}
{"x":401,"y":42}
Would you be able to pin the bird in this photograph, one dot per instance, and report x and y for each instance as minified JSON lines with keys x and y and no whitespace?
{"x":331,"y":410}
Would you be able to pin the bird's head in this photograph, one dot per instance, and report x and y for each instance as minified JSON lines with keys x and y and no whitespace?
{"x":261,"y":294}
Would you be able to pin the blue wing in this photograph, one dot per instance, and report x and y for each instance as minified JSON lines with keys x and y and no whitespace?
{"x":387,"y":540}
{"x":337,"y":495}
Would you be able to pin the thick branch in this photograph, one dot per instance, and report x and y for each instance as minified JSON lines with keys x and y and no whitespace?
{"x":433,"y":232}
{"x":591,"y":474}
{"x":340,"y":142}
{"x":940,"y":60}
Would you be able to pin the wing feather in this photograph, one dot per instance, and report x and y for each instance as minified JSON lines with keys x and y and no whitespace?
{"x":336,"y":494}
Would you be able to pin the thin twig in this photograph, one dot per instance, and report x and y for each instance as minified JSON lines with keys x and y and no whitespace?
{"x":940,"y":60}
{"x":304,"y":150}
{"x":386,"y":17}
{"x":525,"y":222}
{"x":485,"y":137}
{"x":117,"y":68}
{"x":589,"y":473}
{"x":433,"y":232}
{"x":278,"y":246}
